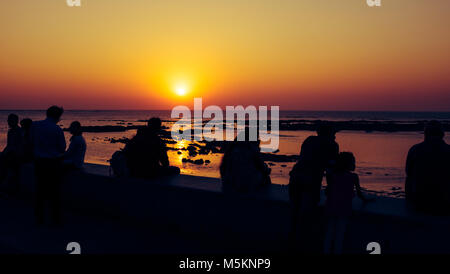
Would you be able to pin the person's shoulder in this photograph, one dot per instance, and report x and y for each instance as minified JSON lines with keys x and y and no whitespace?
{"x":78,"y":139}
{"x":18,"y":131}
{"x":311,"y":139}
{"x":82,"y":140}
{"x":36,"y":124}
{"x":416,"y":147}
{"x":353,"y":175}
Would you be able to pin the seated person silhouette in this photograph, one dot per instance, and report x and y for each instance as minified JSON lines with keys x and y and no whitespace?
{"x":242,"y":169}
{"x":427,"y":183}
{"x":74,"y":156}
{"x":11,"y":157}
{"x":146,"y":153}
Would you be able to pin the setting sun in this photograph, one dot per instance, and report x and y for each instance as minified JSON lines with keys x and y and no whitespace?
{"x":181,"y":89}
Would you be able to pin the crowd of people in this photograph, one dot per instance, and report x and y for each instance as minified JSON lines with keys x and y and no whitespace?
{"x":242,"y":170}
{"x":427,"y":186}
{"x":41,"y":143}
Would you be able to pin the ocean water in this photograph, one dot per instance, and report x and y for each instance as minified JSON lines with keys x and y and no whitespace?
{"x":380,"y":156}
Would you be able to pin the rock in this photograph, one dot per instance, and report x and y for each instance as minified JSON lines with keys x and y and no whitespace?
{"x":199,"y":162}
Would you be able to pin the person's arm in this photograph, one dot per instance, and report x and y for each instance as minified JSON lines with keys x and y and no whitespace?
{"x":8,"y":143}
{"x":258,"y":161}
{"x":163,"y":158}
{"x":358,"y":190}
{"x":69,"y":152}
{"x":61,"y":141}
{"x":14,"y":142}
{"x":410,"y":159}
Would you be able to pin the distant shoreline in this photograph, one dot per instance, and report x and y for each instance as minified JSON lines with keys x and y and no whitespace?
{"x":308,"y":125}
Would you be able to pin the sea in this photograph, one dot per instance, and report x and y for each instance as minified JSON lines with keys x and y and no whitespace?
{"x":380,"y":156}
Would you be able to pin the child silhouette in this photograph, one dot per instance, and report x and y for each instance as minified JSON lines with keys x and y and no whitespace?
{"x":340,"y":193}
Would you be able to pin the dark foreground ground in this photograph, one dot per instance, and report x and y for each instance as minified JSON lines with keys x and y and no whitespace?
{"x":190,"y":215}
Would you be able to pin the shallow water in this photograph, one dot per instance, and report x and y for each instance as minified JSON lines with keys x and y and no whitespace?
{"x":380,"y":156}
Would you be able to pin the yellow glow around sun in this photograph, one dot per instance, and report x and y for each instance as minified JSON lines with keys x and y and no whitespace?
{"x":181,"y":89}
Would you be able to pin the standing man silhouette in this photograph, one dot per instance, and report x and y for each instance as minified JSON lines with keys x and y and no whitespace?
{"x":317,"y":158}
{"x":49,"y":145}
{"x":427,"y":185}
{"x":11,"y":157}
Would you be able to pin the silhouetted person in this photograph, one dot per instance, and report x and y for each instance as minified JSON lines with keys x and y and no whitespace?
{"x":318,"y":153}
{"x":242,"y":168}
{"x":11,"y":157}
{"x":49,"y":146}
{"x":340,"y":192}
{"x":74,"y":156}
{"x":26,"y":125}
{"x":427,"y":184}
{"x":146,"y":153}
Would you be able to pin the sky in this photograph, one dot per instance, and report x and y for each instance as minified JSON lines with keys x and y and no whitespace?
{"x":156,"y":54}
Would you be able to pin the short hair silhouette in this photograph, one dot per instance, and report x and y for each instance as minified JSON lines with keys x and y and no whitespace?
{"x":75,"y":128}
{"x":433,"y":129}
{"x":154,"y":124}
{"x":13,"y":119}
{"x":345,"y":161}
{"x":26,"y":123}
{"x":55,"y":112}
{"x":326,"y":130}
{"x":140,"y":131}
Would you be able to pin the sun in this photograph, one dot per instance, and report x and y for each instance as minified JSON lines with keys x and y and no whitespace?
{"x":181,"y":89}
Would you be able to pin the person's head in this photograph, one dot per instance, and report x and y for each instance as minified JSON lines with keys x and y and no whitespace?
{"x":326,"y":130}
{"x":154,"y":124}
{"x":55,"y":113}
{"x":13,"y":120}
{"x":346,"y":162}
{"x":433,"y":130}
{"x":26,"y":123}
{"x":75,"y":128}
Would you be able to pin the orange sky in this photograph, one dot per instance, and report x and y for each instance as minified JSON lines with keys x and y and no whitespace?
{"x":304,"y":55}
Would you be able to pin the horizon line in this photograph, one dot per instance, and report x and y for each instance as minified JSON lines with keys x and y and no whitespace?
{"x":285,"y":110}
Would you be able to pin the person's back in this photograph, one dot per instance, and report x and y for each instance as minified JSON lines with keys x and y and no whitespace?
{"x":75,"y":154}
{"x":26,"y":125}
{"x":49,"y":146}
{"x":340,"y":193}
{"x":14,"y":142}
{"x":12,"y":156}
{"x":242,"y":169}
{"x":146,"y":153}
{"x":316,"y":155}
{"x":428,"y":178}
{"x":48,"y":139}
{"x":143,"y":154}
